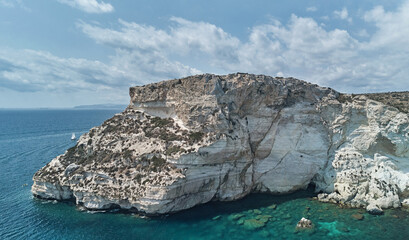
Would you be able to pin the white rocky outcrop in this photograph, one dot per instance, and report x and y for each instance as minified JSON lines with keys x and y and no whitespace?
{"x":368,"y":162}
{"x":304,"y":224}
{"x":189,"y":141}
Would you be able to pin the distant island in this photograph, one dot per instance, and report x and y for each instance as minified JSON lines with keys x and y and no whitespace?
{"x":102,"y":106}
{"x":79,"y":107}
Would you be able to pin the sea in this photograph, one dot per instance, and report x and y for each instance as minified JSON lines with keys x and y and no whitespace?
{"x":31,"y":138}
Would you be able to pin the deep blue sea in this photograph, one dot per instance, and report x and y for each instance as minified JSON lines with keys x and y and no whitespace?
{"x":31,"y":138}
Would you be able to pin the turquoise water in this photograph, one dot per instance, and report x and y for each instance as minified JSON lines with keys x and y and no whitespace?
{"x":30,"y":139}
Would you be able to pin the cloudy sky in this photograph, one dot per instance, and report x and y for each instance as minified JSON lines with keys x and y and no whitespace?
{"x":62,"y":53}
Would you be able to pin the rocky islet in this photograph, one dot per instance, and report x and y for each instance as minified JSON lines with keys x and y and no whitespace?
{"x":188,"y":141}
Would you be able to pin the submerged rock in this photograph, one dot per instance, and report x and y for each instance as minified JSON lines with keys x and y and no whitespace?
{"x":263,"y":218}
{"x":236,"y":216}
{"x":216,"y":218}
{"x":188,"y":141}
{"x":358,"y":216}
{"x":257,"y":211}
{"x":253,"y":224}
{"x":274,"y":206}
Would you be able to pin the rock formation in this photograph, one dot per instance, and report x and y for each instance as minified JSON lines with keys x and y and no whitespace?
{"x":188,"y":141}
{"x":304,"y":224}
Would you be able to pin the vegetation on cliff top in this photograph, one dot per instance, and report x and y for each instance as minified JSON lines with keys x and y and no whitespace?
{"x":399,"y":100}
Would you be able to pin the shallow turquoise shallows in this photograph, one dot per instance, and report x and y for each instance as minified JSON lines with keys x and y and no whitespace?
{"x":31,"y":138}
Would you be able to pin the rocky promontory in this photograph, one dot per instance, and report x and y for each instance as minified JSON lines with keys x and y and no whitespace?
{"x":189,"y":141}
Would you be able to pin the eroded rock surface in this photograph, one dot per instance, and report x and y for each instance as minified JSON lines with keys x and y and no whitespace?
{"x":369,"y":157}
{"x":189,"y":141}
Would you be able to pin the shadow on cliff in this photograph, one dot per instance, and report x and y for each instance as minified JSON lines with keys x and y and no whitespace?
{"x":201,"y":212}
{"x":250,"y":202}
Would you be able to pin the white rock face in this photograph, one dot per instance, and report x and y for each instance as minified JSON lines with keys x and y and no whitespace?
{"x":294,"y":150}
{"x":189,"y":141}
{"x":369,"y":157}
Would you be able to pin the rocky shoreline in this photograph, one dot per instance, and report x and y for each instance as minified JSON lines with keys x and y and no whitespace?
{"x":189,"y":141}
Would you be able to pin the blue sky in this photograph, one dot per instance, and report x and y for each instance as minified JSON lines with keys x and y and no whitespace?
{"x":62,"y":53}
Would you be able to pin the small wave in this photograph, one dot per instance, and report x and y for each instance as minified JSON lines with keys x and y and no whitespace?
{"x":96,"y":211}
{"x":48,"y":201}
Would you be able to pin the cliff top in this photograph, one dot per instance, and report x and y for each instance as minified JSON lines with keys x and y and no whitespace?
{"x":218,"y":85}
{"x":399,"y":100}
{"x":211,"y":84}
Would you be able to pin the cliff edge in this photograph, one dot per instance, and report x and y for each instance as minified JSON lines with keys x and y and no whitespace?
{"x":188,"y":141}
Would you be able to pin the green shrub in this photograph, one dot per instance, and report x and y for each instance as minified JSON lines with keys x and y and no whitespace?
{"x":70,"y":152}
{"x":161,"y":122}
{"x":195,"y":136}
{"x":127,"y":153}
{"x":138,"y":178}
{"x":174,"y":149}
{"x":157,"y":161}
{"x":344,"y":98}
{"x":169,"y":136}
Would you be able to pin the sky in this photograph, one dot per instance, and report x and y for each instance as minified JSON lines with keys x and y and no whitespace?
{"x":64,"y":53}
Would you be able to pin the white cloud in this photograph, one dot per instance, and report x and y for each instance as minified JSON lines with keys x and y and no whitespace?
{"x":183,"y":38}
{"x":363,"y":33}
{"x":271,"y":48}
{"x":28,"y":70}
{"x":326,"y":18}
{"x":7,"y":3}
{"x":89,"y":6}
{"x":343,"y":14}
{"x":74,"y":81}
{"x":40,"y":79}
{"x":393,"y":28}
{"x":14,"y":3}
{"x":311,"y":9}
{"x":300,"y":48}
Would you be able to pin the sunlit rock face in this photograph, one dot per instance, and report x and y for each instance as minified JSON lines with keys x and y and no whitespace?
{"x":368,"y":162}
{"x":188,"y":141}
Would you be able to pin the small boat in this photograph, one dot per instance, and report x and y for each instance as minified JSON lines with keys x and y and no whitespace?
{"x":73,"y":136}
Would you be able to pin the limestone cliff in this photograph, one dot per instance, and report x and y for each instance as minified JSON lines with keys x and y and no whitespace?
{"x":189,"y":141}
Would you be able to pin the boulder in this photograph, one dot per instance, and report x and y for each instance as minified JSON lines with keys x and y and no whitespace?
{"x":374,"y":209}
{"x":304,"y":224}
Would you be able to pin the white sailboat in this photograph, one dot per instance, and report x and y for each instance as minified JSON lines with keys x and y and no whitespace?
{"x":73,"y":136}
